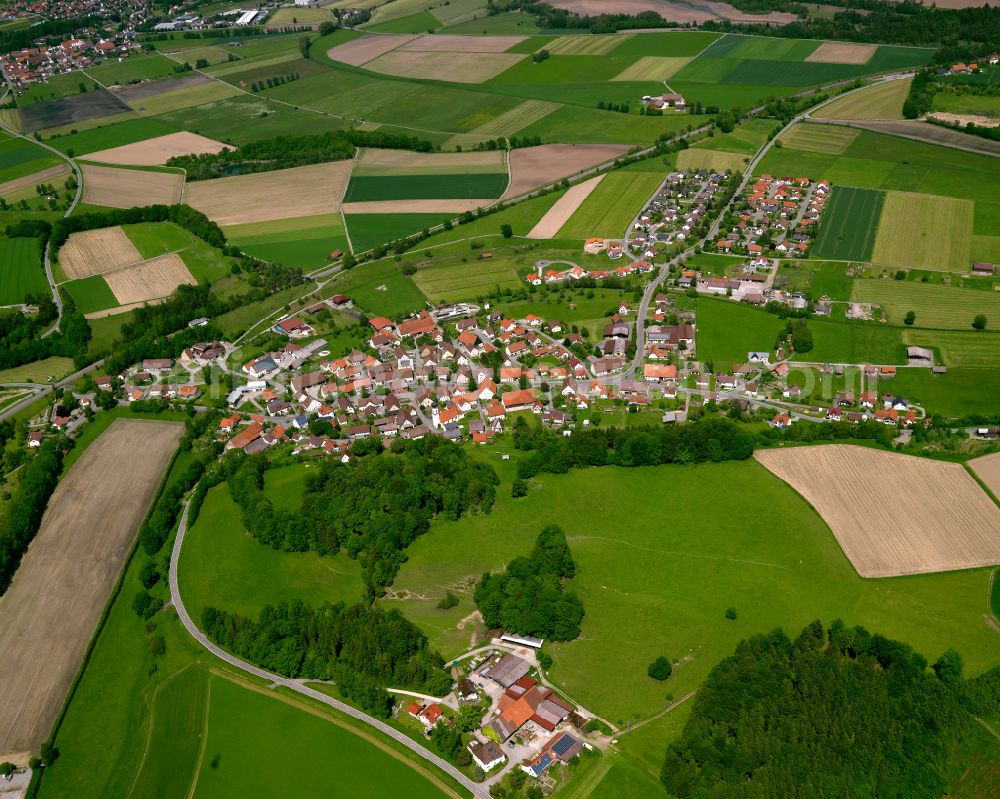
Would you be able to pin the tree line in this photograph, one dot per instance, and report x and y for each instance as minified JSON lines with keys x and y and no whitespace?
{"x":529,"y":596}
{"x":195,"y":222}
{"x":373,"y":507}
{"x":38,"y":479}
{"x":364,"y":648}
{"x":841,"y":713}
{"x":284,"y":152}
{"x":707,"y":439}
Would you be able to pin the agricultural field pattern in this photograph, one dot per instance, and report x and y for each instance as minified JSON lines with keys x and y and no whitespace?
{"x":484,"y":398}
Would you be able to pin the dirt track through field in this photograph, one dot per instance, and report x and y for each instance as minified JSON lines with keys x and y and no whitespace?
{"x":49,"y":613}
{"x":531,"y":167}
{"x":93,"y":252}
{"x":128,"y":188}
{"x":157,"y":151}
{"x":150,"y":280}
{"x":283,"y":194}
{"x":893,"y":514}
{"x":559,"y":214}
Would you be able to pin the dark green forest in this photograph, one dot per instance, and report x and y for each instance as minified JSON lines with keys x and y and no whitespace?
{"x":529,"y":596}
{"x":363,"y":648}
{"x":373,"y":507}
{"x":847,"y":713}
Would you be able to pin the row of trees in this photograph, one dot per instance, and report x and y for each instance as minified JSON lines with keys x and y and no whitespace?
{"x":38,"y":479}
{"x":373,"y":507}
{"x":708,"y":439}
{"x":839,"y":714}
{"x":284,"y":152}
{"x":363,"y":648}
{"x":195,"y":222}
{"x":529,"y":596}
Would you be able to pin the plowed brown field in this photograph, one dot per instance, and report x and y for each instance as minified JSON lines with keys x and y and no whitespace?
{"x":893,"y":514}
{"x":48,"y":615}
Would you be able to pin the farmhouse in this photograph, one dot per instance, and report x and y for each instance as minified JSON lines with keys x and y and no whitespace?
{"x":486,"y":755}
{"x":526,"y":701}
{"x":293,"y":327}
{"x":562,"y":747}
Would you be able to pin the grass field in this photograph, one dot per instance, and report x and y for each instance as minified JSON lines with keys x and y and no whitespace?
{"x":19,"y":158}
{"x":91,"y":294}
{"x":123,"y":133}
{"x":370,"y":230}
{"x":248,"y":726}
{"x":827,"y":139}
{"x":305,"y":242}
{"x":877,"y":161}
{"x":611,"y":206}
{"x":184,"y":98}
{"x":881,"y":101}
{"x":935,"y":305}
{"x":925,"y":231}
{"x":38,"y":371}
{"x":20,"y":270}
{"x":381,"y":288}
{"x":958,"y":348}
{"x":850,"y":223}
{"x":753,"y":545}
{"x":961,"y":391}
{"x":132,"y":69}
{"x":220,"y":559}
{"x":450,"y":282}
{"x":716,"y":160}
{"x":428,"y":187}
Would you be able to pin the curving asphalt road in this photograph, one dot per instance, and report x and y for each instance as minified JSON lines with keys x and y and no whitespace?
{"x":475,"y":789}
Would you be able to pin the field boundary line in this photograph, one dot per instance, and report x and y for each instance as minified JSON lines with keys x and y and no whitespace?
{"x":204,"y":738}
{"x":115,"y":593}
{"x":127,"y":266}
{"x":660,"y":714}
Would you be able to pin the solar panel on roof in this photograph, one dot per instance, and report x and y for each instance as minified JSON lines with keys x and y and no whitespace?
{"x":563,"y":745}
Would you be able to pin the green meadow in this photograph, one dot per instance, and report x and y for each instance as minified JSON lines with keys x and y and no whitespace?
{"x":370,"y":230}
{"x":850,"y":223}
{"x":381,"y":288}
{"x":610,"y":208}
{"x":935,"y":306}
{"x":426,"y":187}
{"x":20,"y":270}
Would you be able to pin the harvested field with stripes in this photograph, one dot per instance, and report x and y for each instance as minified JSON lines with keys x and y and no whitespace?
{"x":652,"y":67}
{"x":827,"y":139}
{"x":149,"y":280}
{"x":510,"y":122}
{"x":92,"y":252}
{"x":937,"y":306}
{"x":531,"y":167}
{"x":127,"y":188}
{"x":585,"y":45}
{"x":360,"y":51}
{"x":893,"y":514}
{"x":987,"y":469}
{"x":842,"y":53}
{"x":464,"y":281}
{"x":462,"y":44}
{"x":48,"y":615}
{"x":881,"y":101}
{"x":924,"y":231}
{"x":716,"y":160}
{"x":282,"y":194}
{"x":462,"y":67}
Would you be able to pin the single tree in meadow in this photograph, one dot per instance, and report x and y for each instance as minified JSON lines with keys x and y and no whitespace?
{"x":979,"y":323}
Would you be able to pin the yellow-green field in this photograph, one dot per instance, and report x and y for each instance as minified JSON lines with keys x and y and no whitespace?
{"x":245,"y":64}
{"x":881,"y":101}
{"x":697,"y":158}
{"x":527,"y":113}
{"x":38,"y":371}
{"x":184,"y":98}
{"x":652,"y":67}
{"x":465,"y":281}
{"x":828,"y":139}
{"x":925,"y":231}
{"x":584,"y":45}
{"x":958,"y":349}
{"x":299,"y":16}
{"x":611,"y":206}
{"x":935,"y":305}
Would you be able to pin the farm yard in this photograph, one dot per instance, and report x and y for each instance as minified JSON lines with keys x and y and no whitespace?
{"x":850,"y":223}
{"x":894,"y":514}
{"x":925,"y":232}
{"x":127,"y":188}
{"x":65,"y":579}
{"x":936,"y":306}
{"x":281,"y":194}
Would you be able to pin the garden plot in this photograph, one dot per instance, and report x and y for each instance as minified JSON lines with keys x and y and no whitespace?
{"x":282,"y":194}
{"x":531,"y":167}
{"x":157,"y":151}
{"x":128,"y":188}
{"x":93,"y":252}
{"x":48,"y":615}
{"x":894,"y":514}
{"x":149,"y":280}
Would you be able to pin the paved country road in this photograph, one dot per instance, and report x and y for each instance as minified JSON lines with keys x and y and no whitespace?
{"x":297,"y":685}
